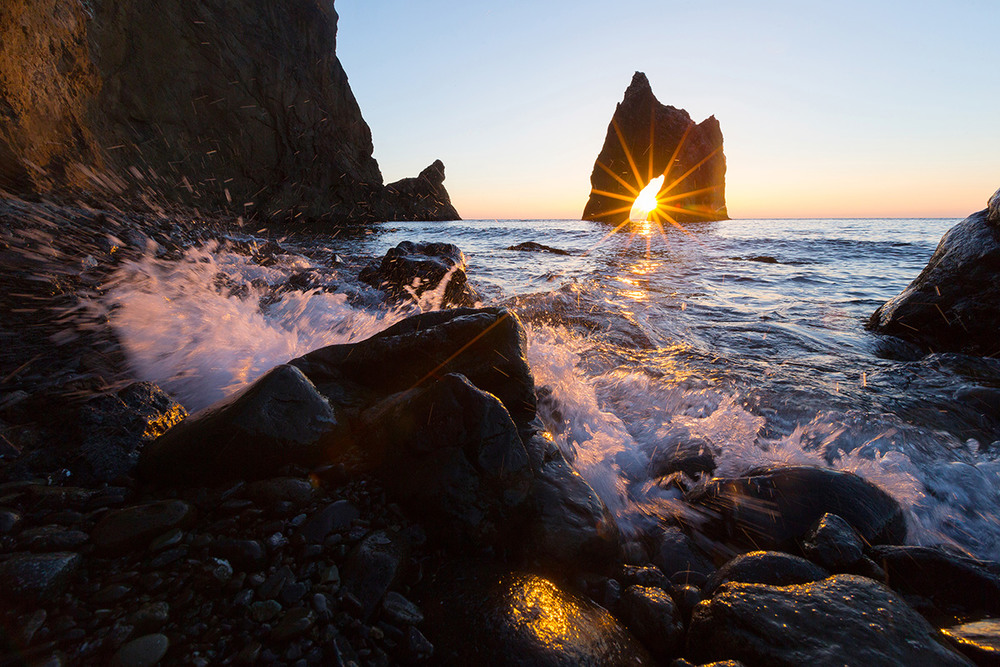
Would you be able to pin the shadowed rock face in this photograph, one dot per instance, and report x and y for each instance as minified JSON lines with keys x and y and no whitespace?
{"x":208,"y":104}
{"x":643,"y":138}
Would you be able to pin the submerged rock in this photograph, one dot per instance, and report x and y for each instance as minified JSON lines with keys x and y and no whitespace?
{"x":657,"y":139}
{"x":411,"y":269}
{"x":532,"y":246}
{"x":484,"y":617}
{"x":840,"y":620}
{"x":952,"y":306}
{"x":279,"y":419}
{"x":774,"y":508}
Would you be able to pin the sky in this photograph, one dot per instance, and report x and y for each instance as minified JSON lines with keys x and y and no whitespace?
{"x":847,"y":109}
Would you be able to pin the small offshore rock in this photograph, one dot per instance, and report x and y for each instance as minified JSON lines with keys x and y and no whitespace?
{"x":400,"y":610}
{"x":28,"y":578}
{"x":765,"y":567}
{"x":144,"y":651}
{"x":650,"y":613}
{"x":135,"y":527}
{"x":833,"y":544}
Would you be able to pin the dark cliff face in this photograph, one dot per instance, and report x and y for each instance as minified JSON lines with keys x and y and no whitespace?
{"x":240,"y":107}
{"x":644,"y":138}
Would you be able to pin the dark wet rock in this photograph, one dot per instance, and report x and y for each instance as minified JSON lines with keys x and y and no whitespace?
{"x":116,"y":427}
{"x":692,"y":457}
{"x":291,"y":143}
{"x":421,"y":198}
{"x":150,"y":616}
{"x":372,"y":568}
{"x":486,"y":345}
{"x":675,"y":552}
{"x":8,"y":521}
{"x":451,"y":453}
{"x":477,"y":616}
{"x":979,"y":641}
{"x":335,"y":517}
{"x":290,"y":489}
{"x":51,"y":538}
{"x":833,"y":544}
{"x":135,"y":527}
{"x":111,"y":593}
{"x":941,"y":583}
{"x":644,"y":576}
{"x":652,"y":616}
{"x":411,"y":269}
{"x":687,"y":598}
{"x":764,"y":259}
{"x":399,"y":610}
{"x":273,"y":585}
{"x":531,"y":246}
{"x":264,"y":610}
{"x":293,"y":623}
{"x":765,"y":567}
{"x":570,"y":524}
{"x":845,"y":618}
{"x":27,"y":578}
{"x":774,"y":508}
{"x":655,"y":138}
{"x":951,"y":306}
{"x":144,"y":651}
{"x":277,"y":420}
{"x":417,"y":647}
{"x":245,"y":555}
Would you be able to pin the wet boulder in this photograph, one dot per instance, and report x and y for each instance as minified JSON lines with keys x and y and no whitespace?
{"x":952,"y":305}
{"x":116,"y":427}
{"x":675,"y":553}
{"x":774,"y":508}
{"x":979,"y":640}
{"x":833,"y":543}
{"x":372,"y":567}
{"x":773,"y":568}
{"x":481,"y":616}
{"x":652,"y":616}
{"x":941,"y":583}
{"x":411,"y":269}
{"x":451,"y":453}
{"x":486,"y":345}
{"x":277,"y":420}
{"x":570,"y":524}
{"x":845,"y":619}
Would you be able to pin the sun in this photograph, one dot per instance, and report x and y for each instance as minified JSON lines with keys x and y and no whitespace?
{"x":646,"y":203}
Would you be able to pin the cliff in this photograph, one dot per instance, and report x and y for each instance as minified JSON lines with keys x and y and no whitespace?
{"x":232,"y":107}
{"x":646,"y":139}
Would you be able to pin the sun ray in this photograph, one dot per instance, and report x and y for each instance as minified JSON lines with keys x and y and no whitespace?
{"x":618,"y":178}
{"x":628,"y":154}
{"x":691,"y":170}
{"x":607,"y":236}
{"x":614,"y":195}
{"x":688,"y":194}
{"x":677,"y":151}
{"x":615,"y":211}
{"x":689,"y":211}
{"x":652,"y":136}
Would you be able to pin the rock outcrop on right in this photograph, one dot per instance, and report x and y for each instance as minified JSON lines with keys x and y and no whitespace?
{"x":954,"y":304}
{"x":647,"y":139}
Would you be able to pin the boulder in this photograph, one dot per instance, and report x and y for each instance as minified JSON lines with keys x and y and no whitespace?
{"x":116,"y":427}
{"x":421,"y":198}
{"x":952,"y":306}
{"x":773,"y":568}
{"x":371,"y":568}
{"x":941,"y":583}
{"x":676,"y":553}
{"x":137,"y":526}
{"x":845,"y":619}
{"x":652,"y":616}
{"x":481,"y":616}
{"x":277,"y":420}
{"x":451,"y":453}
{"x":979,"y":640}
{"x":412,"y":269}
{"x":486,"y":345}
{"x":774,"y":508}
{"x":833,"y":544}
{"x":646,"y":139}
{"x":36,"y":578}
{"x":243,"y":110}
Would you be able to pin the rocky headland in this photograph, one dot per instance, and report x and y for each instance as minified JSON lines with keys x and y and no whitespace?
{"x":647,"y":139}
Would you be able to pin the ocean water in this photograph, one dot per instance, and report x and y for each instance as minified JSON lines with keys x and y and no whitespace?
{"x":746,"y":336}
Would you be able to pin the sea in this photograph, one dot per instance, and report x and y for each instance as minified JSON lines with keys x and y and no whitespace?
{"x":745,"y":336}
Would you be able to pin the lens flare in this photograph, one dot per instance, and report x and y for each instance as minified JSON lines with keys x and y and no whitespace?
{"x":646,"y":202}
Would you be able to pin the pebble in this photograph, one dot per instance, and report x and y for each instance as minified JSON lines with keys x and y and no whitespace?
{"x":169,"y":539}
{"x":111,"y":593}
{"x":264,"y":610}
{"x":144,"y":651}
{"x":134,"y":527}
{"x":273,"y":585}
{"x":292,"y":624}
{"x":52,"y":538}
{"x":292,"y":592}
{"x":150,"y":616}
{"x":333,"y":518}
{"x":397,"y":608}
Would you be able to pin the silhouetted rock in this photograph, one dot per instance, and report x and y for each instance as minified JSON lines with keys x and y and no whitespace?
{"x":279,"y":419}
{"x":774,"y":508}
{"x":650,"y":138}
{"x":421,"y":198}
{"x":845,"y":619}
{"x":952,"y":306}
{"x":411,"y":269}
{"x":238,"y":108}
{"x":531,"y":246}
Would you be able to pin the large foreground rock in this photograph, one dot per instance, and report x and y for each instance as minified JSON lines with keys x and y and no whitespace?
{"x":954,"y":304}
{"x":654,"y":139}
{"x":277,"y":420}
{"x":845,"y":619}
{"x":484,"y":617}
{"x":774,"y":508}
{"x":237,"y":107}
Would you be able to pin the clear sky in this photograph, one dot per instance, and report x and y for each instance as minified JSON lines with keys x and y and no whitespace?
{"x":833,"y":109}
